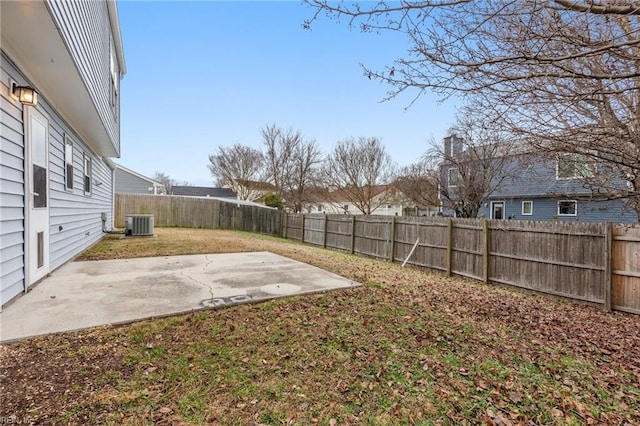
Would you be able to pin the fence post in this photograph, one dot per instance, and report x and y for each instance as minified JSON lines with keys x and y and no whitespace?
{"x":302,"y":231}
{"x":392,"y":239}
{"x":485,"y":254}
{"x":284,"y":224}
{"x":608,"y":249}
{"x":449,"y":247}
{"x":353,"y":234}
{"x":324,"y":233}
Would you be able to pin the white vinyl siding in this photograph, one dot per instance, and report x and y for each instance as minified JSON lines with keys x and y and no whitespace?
{"x":11,"y":190}
{"x":86,"y":29}
{"x":130,"y":183}
{"x":75,"y":220}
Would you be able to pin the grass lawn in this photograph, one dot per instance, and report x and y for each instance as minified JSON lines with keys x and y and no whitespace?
{"x":408,"y":347}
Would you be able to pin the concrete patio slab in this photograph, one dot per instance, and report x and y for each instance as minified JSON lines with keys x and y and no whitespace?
{"x":86,"y":294}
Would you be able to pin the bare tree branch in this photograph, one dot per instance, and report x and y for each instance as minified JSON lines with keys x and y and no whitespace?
{"x":234,"y":166}
{"x":562,"y":74}
{"x":355,"y":170}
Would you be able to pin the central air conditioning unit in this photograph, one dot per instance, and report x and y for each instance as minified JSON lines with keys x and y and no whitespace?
{"x":137,"y":225}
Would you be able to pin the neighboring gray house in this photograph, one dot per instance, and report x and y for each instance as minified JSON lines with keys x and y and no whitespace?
{"x":552,"y":188}
{"x":130,"y":182}
{"x":203,"y":191}
{"x":60,"y":70}
{"x":548,"y":187}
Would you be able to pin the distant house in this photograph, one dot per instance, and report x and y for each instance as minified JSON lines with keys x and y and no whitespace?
{"x":387,"y":200}
{"x":224,"y":195}
{"x":548,"y":187}
{"x":553,"y":189}
{"x":60,"y":64}
{"x":129,"y":182}
{"x":203,"y":191}
{"x":254,"y":190}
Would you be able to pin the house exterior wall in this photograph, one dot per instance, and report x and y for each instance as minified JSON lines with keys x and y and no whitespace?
{"x":75,"y":219}
{"x":536,"y":181}
{"x":12,"y":260}
{"x":339,"y":208}
{"x":533,"y":177}
{"x":85,"y":27}
{"x":127,"y":183}
{"x":547,"y":209}
{"x":78,"y":101}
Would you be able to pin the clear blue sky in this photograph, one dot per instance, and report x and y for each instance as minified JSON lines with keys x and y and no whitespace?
{"x":206,"y":74}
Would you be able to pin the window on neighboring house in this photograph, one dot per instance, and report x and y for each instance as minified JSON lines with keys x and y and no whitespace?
{"x":320,"y":207}
{"x":453,"y":177}
{"x":68,"y":163}
{"x":527,"y":208}
{"x":574,"y":166}
{"x":87,"y":174}
{"x":346,"y":207}
{"x":567,"y":208}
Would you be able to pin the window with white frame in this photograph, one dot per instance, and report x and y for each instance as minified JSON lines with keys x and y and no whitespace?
{"x":113,"y":68}
{"x":574,"y":166}
{"x":527,"y":208}
{"x":68,"y":163}
{"x":567,"y":208}
{"x":87,"y":174}
{"x":453,"y":177}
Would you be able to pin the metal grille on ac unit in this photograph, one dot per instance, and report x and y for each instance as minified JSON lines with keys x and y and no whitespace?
{"x":138,"y":224}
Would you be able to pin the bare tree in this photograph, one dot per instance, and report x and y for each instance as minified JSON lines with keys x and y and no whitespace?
{"x":419,"y":184}
{"x":562,"y":73}
{"x":279,"y":146}
{"x":304,"y":174}
{"x":474,"y":162}
{"x":165,"y":180}
{"x":356,"y":169}
{"x":236,"y":165}
{"x":291,"y":163}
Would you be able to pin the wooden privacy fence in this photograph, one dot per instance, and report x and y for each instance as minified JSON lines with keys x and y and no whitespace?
{"x":196,"y":212}
{"x":592,"y":262}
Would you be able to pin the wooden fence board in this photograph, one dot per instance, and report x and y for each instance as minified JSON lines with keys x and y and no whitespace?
{"x":574,"y":260}
{"x":373,"y":236}
{"x":339,"y":232}
{"x":566,"y":258}
{"x":196,"y":212}
{"x":559,"y":258}
{"x":625,"y":268}
{"x":314,"y":229}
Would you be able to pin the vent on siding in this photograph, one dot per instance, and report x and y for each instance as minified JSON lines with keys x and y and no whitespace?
{"x":138,"y":224}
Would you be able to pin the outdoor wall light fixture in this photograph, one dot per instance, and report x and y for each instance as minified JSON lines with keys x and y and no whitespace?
{"x":25,"y":94}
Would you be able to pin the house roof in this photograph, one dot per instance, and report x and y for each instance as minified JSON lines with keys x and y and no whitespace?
{"x":203,"y":191}
{"x":124,"y":169}
{"x":341,"y":195}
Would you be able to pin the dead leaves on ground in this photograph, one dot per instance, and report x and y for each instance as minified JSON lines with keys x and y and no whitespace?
{"x":408,"y":347}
